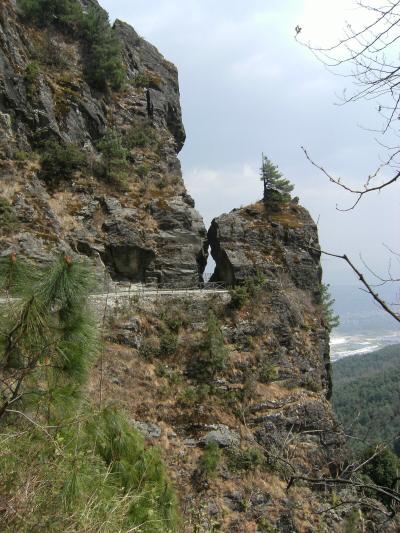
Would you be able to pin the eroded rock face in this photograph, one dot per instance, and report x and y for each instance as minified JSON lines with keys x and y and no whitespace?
{"x":268,"y":241}
{"x":145,"y":230}
{"x":281,"y":243}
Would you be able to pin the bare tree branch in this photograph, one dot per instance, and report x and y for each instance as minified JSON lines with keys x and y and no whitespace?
{"x":368,"y":287}
{"x":359,"y":192}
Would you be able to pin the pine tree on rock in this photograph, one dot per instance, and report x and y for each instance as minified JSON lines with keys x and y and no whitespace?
{"x":276,"y":187}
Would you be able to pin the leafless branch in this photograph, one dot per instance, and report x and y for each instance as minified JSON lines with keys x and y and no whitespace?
{"x":359,"y":192}
{"x":361,"y":277}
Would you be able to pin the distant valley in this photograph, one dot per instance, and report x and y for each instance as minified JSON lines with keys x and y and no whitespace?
{"x":364,"y":326}
{"x":366,"y":396}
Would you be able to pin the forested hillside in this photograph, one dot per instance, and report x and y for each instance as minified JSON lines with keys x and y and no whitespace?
{"x":366,"y":395}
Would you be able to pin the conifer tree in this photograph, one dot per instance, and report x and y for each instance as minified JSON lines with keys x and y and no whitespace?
{"x":332,"y":320}
{"x":276,"y":187}
{"x":47,"y":336}
{"x":213,"y":353}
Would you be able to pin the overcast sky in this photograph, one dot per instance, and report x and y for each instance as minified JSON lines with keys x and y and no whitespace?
{"x":248,"y":87}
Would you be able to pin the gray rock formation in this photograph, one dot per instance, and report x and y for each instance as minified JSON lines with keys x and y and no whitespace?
{"x":281,"y":244}
{"x":257,"y":239}
{"x":223,"y":437}
{"x":146,"y":231}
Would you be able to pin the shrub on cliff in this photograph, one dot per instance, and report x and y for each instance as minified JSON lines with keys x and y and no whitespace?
{"x":140,"y":472}
{"x":115,"y":157}
{"x":247,"y":291}
{"x":8,"y":218}
{"x":168,"y":343}
{"x":31,"y":78}
{"x":103,"y":58}
{"x":141,"y":134}
{"x":381,"y":468}
{"x":60,"y":161}
{"x":44,"y":12}
{"x":212,"y":354}
{"x":104,"y":62}
{"x":331,"y":319}
{"x":209,"y":461}
{"x":247,"y":459}
{"x":276,"y":187}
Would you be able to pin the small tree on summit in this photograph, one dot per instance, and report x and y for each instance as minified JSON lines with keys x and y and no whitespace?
{"x":276,"y":187}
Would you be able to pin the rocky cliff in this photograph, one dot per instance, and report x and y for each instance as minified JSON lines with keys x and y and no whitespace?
{"x":233,"y":387}
{"x":259,"y":394}
{"x":140,"y":219}
{"x":280,"y":243}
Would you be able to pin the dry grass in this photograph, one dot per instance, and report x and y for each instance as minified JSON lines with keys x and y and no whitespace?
{"x":65,"y":204}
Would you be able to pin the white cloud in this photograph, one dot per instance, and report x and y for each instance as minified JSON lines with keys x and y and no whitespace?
{"x":221,"y":190}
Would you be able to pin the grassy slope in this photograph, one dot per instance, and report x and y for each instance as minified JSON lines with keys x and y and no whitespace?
{"x":366,"y":394}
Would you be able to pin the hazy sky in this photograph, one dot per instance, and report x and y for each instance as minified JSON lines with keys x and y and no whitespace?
{"x":248,"y":87}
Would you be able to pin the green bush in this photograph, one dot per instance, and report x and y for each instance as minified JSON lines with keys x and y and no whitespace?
{"x":147,"y":79}
{"x":141,"y":135}
{"x":212,"y":353}
{"x":164,"y":371}
{"x":331,"y":319}
{"x":268,"y":373}
{"x":115,"y":157}
{"x":143,"y":170}
{"x":104,"y":60}
{"x":47,"y":52}
{"x":21,"y":155}
{"x":195,"y":395}
{"x":44,"y":12}
{"x":8,"y":218}
{"x":209,"y":461}
{"x":60,"y":161}
{"x":141,"y":80}
{"x":168,"y":344}
{"x":246,"y":460}
{"x":383,"y":468}
{"x":104,"y":64}
{"x":354,"y":522}
{"x":174,"y":323}
{"x":239,"y":296}
{"x":247,"y":291}
{"x":31,"y":77}
{"x":149,"y":348}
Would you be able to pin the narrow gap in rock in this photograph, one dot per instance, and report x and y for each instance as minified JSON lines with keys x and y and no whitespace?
{"x":210,"y":267}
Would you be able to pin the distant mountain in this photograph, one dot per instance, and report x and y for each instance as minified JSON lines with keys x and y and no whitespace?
{"x":366,"y":396}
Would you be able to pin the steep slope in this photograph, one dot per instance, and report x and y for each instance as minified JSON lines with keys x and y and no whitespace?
{"x":282,"y":245}
{"x":252,"y":378}
{"x":131,"y":208}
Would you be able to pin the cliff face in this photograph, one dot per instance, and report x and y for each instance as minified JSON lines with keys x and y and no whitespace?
{"x":268,"y":239}
{"x":145,"y":229}
{"x":234,"y":387}
{"x":280,"y":243}
{"x":258,"y":391}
